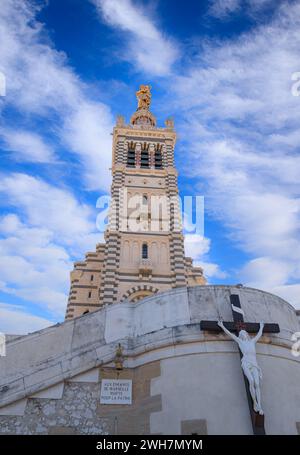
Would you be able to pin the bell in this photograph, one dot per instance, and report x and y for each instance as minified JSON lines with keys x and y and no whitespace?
{"x":118,"y":365}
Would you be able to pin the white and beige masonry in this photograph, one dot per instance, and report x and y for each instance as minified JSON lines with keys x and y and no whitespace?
{"x":142,"y":166}
{"x":185,"y":380}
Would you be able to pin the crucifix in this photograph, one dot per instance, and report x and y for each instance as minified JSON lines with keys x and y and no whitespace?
{"x":239,"y":331}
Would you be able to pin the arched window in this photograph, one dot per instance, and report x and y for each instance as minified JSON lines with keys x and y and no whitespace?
{"x":131,"y":157}
{"x":145,"y":251}
{"x":144,"y":158}
{"x":158,"y":159}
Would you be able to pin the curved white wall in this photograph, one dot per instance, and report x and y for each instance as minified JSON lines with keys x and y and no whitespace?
{"x":200,"y":377}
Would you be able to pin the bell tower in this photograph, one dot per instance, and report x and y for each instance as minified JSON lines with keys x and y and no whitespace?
{"x":144,"y":245}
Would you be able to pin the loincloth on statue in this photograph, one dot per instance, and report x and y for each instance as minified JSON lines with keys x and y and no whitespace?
{"x":251,"y":366}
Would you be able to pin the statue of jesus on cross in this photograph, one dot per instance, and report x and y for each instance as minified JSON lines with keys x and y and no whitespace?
{"x":249,"y":362}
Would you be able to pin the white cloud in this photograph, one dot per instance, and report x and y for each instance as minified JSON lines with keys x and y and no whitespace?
{"x":211,"y":270}
{"x":87,"y":132}
{"x":16,"y":320}
{"x":197,"y":247}
{"x":239,"y":117}
{"x":41,"y":83}
{"x":223,"y":8}
{"x":241,"y":129}
{"x":52,"y":229}
{"x":55,"y":230}
{"x":27,"y":146}
{"x":148,"y":48}
{"x":33,"y":266}
{"x":271,"y":275}
{"x":265,"y":272}
{"x":48,"y":206}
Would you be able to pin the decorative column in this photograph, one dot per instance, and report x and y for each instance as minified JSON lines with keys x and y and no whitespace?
{"x":138,"y":150}
{"x":152,"y":156}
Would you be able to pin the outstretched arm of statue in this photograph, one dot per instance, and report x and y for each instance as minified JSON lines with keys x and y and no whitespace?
{"x":259,"y":333}
{"x":231,"y":335}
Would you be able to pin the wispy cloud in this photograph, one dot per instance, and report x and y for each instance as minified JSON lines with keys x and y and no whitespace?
{"x":27,"y":146}
{"x":225,"y":9}
{"x":40,"y":83}
{"x":46,"y":228}
{"x":148,"y":48}
{"x":44,"y":204}
{"x":16,"y":320}
{"x":239,"y":119}
{"x":197,"y":247}
{"x":40,"y":243}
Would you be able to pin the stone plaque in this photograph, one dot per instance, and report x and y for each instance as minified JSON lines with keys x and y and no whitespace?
{"x":116,"y":391}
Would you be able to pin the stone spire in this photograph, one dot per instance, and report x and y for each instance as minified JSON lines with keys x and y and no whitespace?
{"x":142,"y":115}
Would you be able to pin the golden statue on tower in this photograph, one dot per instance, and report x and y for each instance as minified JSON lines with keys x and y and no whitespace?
{"x":144,"y":97}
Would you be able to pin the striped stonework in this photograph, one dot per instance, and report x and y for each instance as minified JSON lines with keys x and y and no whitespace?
{"x":85,"y":282}
{"x":169,"y":154}
{"x":121,"y":151}
{"x":136,"y":292}
{"x":108,"y":289}
{"x":116,"y":271}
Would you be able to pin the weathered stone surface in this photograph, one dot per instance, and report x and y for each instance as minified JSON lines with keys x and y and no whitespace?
{"x":89,"y":330}
{"x":75,"y":413}
{"x":49,"y":356}
{"x":55,"y":392}
{"x":209,"y":302}
{"x":195,"y":426}
{"x":79,"y":410}
{"x":15,"y":409}
{"x":161,"y":330}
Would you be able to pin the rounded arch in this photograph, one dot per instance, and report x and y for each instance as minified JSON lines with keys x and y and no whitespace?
{"x":139,"y":292}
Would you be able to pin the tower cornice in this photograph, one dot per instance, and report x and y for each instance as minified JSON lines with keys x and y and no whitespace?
{"x":159,"y":133}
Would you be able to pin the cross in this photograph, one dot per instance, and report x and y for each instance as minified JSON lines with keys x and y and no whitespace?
{"x":251,"y":327}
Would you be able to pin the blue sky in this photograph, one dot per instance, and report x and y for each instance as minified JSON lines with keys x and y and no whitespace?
{"x":222,"y":69}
